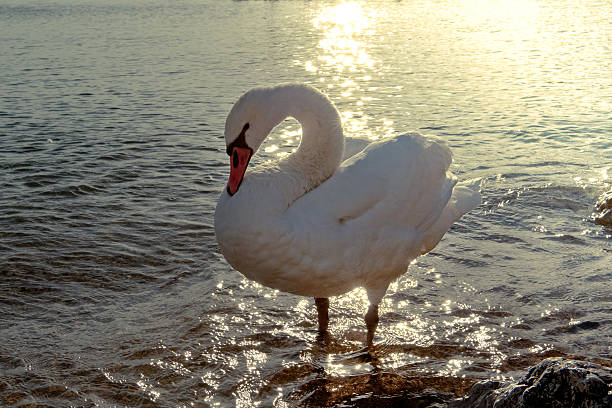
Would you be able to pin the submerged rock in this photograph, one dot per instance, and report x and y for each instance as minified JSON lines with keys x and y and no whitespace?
{"x":603,"y":210}
{"x":554,"y":382}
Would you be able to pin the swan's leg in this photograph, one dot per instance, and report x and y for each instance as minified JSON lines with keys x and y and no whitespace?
{"x":322,"y":311}
{"x":371,"y":319}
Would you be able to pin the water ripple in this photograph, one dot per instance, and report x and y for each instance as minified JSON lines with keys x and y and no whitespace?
{"x":113,"y":291}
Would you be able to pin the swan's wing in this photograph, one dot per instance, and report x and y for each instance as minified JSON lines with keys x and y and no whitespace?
{"x":400,"y":182}
{"x":353,"y":145}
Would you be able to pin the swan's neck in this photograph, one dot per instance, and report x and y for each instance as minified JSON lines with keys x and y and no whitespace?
{"x":321,"y":148}
{"x":251,"y":216}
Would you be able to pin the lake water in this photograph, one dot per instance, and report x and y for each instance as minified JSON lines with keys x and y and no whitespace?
{"x":112,"y":289}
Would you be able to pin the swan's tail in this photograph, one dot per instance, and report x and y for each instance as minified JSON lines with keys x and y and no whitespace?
{"x":465,"y":197}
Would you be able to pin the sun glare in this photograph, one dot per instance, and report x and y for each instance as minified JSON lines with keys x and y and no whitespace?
{"x":509,"y":11}
{"x":342,"y":25}
{"x":348,"y":36}
{"x":347,"y":17}
{"x":517,"y":17}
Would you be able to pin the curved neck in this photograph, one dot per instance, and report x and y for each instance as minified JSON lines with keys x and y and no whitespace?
{"x":322,"y":146}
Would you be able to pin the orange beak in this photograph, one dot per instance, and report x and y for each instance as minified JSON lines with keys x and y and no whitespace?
{"x":239,"y":161}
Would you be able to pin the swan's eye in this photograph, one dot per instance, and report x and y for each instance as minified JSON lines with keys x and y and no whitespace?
{"x":240,"y":140}
{"x":235,"y":159}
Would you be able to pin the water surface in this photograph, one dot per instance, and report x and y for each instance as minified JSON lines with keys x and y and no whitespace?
{"x":112,"y":289}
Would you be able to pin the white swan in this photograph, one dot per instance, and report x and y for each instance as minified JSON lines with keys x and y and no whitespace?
{"x":313,"y":226}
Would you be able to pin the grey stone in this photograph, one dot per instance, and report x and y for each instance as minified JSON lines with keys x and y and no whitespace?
{"x":553,"y":383}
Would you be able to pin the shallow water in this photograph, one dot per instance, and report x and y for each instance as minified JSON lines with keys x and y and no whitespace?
{"x":112,"y":290}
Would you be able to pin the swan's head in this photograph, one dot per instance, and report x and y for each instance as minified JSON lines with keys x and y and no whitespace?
{"x":249,"y":122}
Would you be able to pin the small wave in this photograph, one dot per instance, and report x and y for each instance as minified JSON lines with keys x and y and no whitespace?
{"x":114,"y":156}
{"x":550,"y":163}
{"x":36,"y":184}
{"x":73,"y":191}
{"x":573,"y":328}
{"x":500,"y":238}
{"x":483,"y":313}
{"x":18,"y":166}
{"x":565,"y":238}
{"x":463,"y":261}
{"x":121,"y":175}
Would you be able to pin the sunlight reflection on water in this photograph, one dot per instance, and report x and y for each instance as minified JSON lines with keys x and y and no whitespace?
{"x":347,"y":29}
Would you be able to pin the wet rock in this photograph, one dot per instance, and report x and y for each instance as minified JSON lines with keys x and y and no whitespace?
{"x":553,"y":383}
{"x":603,"y":210}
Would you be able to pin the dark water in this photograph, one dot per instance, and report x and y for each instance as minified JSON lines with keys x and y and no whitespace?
{"x":112,"y":292}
